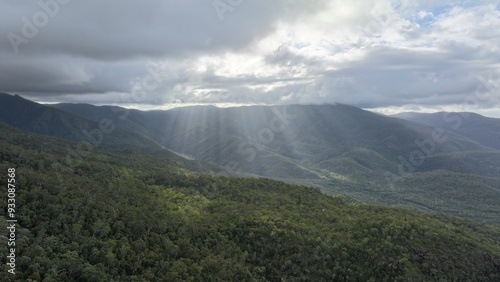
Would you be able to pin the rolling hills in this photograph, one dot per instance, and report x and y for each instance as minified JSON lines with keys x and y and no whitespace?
{"x":90,"y":134}
{"x":304,"y":139}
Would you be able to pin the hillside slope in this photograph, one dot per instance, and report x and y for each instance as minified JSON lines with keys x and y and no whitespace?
{"x":129,"y":216}
{"x":37,"y":118}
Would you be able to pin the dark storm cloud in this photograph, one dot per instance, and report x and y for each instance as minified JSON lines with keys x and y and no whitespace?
{"x":113,"y":30}
{"x":100,"y":46}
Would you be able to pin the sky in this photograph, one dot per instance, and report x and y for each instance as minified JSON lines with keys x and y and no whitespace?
{"x":387,"y":56}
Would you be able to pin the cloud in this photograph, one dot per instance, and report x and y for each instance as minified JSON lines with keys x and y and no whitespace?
{"x":114,"y":30}
{"x":371,"y":54}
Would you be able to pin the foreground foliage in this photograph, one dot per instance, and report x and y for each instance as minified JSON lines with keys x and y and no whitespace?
{"x":136,"y":216}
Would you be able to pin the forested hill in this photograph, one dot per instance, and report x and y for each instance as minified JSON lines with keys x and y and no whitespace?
{"x":120,"y":215}
{"x":293,"y":141}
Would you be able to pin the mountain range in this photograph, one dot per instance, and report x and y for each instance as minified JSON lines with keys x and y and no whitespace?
{"x":338,"y":148}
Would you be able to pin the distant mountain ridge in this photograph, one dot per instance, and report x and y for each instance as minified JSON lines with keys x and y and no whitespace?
{"x":483,"y":130}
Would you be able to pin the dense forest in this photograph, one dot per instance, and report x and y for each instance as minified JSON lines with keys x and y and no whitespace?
{"x":125,"y":215}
